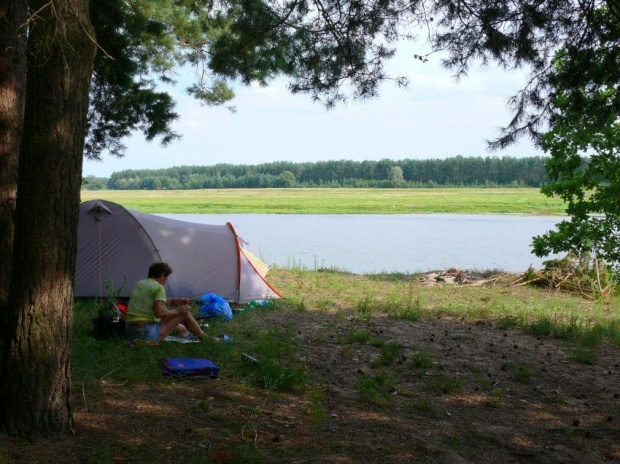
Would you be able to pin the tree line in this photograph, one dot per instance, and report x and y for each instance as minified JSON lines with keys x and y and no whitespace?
{"x":407,"y":173}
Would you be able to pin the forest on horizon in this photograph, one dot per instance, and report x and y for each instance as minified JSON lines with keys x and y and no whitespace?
{"x":457,"y":171}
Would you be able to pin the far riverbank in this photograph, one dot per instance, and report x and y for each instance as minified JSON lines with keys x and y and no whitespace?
{"x":528,"y":201}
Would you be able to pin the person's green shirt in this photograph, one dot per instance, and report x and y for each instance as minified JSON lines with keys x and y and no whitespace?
{"x":141,"y":307}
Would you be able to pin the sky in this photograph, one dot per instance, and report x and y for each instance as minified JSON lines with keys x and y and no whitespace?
{"x":434,"y":117}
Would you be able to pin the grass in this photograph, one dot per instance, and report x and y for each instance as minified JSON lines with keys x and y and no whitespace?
{"x":96,"y":360}
{"x":521,"y":372}
{"x":494,"y":400}
{"x":315,"y":407}
{"x":362,"y":297}
{"x":358,"y":336}
{"x":388,"y":354}
{"x":291,"y":393}
{"x":540,"y":312}
{"x":377,"y":389}
{"x":445,"y":384}
{"x":583,"y":355}
{"x":335,"y":201}
{"x":422,"y":359}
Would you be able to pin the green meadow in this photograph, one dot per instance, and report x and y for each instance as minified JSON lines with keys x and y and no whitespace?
{"x":336,"y":201}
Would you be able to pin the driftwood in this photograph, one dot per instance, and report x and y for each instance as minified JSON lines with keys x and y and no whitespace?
{"x":585,"y":276}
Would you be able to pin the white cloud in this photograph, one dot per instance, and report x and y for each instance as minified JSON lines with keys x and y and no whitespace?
{"x":434,"y":117}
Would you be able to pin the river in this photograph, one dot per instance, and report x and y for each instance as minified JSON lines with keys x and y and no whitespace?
{"x":388,"y":243}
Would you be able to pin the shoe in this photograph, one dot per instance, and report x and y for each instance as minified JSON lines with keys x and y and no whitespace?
{"x":189,"y":336}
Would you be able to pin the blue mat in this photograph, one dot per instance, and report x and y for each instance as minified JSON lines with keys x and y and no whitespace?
{"x":189,"y":368}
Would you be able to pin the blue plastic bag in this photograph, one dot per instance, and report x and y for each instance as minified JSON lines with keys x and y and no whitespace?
{"x":215,"y":306}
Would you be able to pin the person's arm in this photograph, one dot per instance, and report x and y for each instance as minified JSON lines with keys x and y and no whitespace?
{"x":160,"y":310}
{"x":177,"y":301}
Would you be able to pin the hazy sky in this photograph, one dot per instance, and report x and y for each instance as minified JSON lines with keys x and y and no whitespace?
{"x":434,"y":117}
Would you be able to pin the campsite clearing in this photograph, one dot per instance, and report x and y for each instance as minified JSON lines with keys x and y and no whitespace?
{"x":335,"y":201}
{"x":382,"y":369}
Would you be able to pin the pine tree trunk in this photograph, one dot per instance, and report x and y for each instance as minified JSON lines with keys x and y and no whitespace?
{"x":35,"y":389}
{"x":13,"y":14}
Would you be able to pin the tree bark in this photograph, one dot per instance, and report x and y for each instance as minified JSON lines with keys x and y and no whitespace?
{"x":13,"y":15}
{"x":36,"y":372}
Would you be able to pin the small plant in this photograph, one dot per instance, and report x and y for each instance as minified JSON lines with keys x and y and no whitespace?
{"x":314,"y":406}
{"x":445,"y":384}
{"x":613,"y":332}
{"x":422,"y":359}
{"x":389,"y":352}
{"x":363,"y":308}
{"x":455,"y":442}
{"x":413,"y":310}
{"x":593,"y":336}
{"x":273,"y":375}
{"x":583,"y":355}
{"x":376,"y":390}
{"x":411,"y":314}
{"x":521,"y":372}
{"x":361,"y":336}
{"x":420,"y":404}
{"x":506,"y":323}
{"x":567,"y":331}
{"x":494,"y":400}
{"x":484,"y":383}
{"x":301,"y":307}
{"x":202,"y":405}
{"x":542,"y":327}
{"x":255,"y":411}
{"x":559,"y":399}
{"x":107,"y":306}
{"x":324,"y":304}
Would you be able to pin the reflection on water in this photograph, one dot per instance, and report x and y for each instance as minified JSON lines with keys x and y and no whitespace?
{"x":394,"y":243}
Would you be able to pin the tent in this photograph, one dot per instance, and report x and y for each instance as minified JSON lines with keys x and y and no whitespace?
{"x":114,"y":242}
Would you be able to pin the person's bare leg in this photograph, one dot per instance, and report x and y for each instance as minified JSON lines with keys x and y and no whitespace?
{"x":168,"y":324}
{"x":182,"y":330}
{"x":192,"y":325}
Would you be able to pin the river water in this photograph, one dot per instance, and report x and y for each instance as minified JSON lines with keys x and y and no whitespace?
{"x":388,"y":243}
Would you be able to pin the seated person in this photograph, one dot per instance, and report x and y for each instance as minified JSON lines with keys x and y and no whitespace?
{"x":147,"y":315}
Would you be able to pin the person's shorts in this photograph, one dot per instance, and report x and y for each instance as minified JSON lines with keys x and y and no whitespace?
{"x":148,"y":331}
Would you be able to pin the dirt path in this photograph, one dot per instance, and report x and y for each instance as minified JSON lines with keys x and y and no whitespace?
{"x":454,"y":392}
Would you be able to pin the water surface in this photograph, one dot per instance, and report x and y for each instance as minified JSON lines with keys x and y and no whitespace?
{"x":391,"y":243}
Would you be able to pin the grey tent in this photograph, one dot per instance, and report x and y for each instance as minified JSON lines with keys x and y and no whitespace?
{"x":114,"y":242}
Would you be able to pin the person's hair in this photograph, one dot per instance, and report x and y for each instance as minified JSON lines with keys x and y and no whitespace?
{"x":157,"y":269}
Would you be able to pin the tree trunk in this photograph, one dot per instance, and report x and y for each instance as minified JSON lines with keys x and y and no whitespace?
{"x":36,"y":359}
{"x":13,"y":14}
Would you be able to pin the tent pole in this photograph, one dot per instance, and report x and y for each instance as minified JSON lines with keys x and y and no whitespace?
{"x":100,"y":264}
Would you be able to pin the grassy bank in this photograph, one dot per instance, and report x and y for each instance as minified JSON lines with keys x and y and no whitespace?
{"x":404,"y":296}
{"x":336,"y":201}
